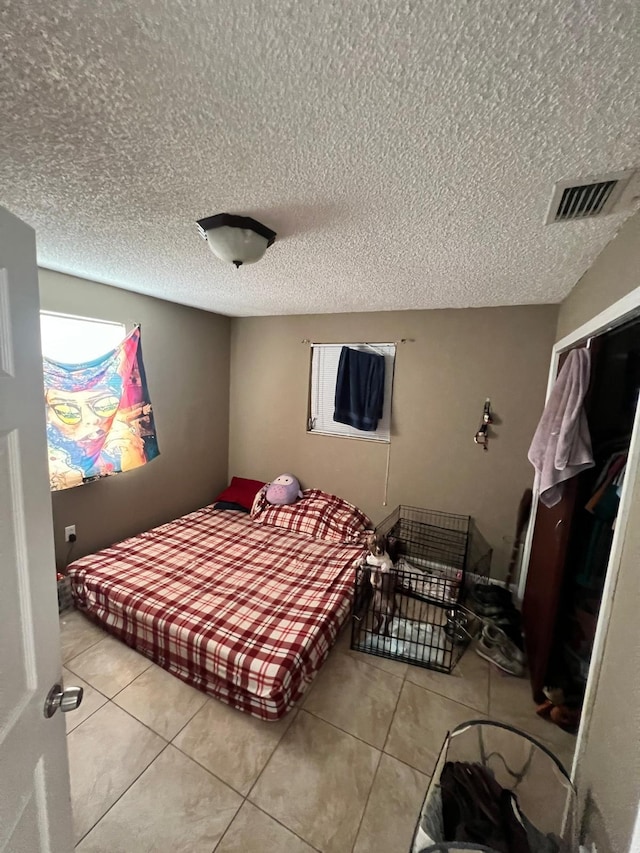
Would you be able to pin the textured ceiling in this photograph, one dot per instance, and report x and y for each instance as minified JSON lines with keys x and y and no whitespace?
{"x":404,"y":150}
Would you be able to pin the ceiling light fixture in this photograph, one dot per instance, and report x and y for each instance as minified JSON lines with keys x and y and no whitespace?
{"x":236,"y":239}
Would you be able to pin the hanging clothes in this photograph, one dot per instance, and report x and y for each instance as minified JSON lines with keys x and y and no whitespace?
{"x":603,"y":505}
{"x":614,"y":466}
{"x":561,"y":446}
{"x":359,"y":389}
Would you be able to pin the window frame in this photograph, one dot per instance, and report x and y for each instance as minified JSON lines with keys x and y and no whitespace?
{"x":66,"y":316}
{"x":344,"y":430}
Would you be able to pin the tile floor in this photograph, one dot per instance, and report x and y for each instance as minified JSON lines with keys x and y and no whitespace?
{"x":157,"y":766}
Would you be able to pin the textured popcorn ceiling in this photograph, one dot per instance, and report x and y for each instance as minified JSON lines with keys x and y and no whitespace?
{"x":404,"y":150}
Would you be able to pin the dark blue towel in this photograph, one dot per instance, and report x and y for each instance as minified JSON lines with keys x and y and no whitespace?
{"x":359,"y":389}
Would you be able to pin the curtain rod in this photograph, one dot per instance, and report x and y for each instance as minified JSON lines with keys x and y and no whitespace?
{"x":359,"y":343}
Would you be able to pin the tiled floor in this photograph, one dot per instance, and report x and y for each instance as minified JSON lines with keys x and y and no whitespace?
{"x":158,"y":766}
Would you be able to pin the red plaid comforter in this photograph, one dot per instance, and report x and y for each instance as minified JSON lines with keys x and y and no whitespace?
{"x":243,"y":611}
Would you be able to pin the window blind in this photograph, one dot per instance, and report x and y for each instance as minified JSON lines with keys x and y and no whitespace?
{"x":324,"y":372}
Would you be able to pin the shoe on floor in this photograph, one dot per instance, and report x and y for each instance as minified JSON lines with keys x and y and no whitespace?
{"x":495,"y":609}
{"x":544,"y":710}
{"x":567,"y":718}
{"x":497,"y":655}
{"x":486,"y":610}
{"x":496,"y":612}
{"x":496,"y":636}
{"x":490,"y":593}
{"x":512,"y":631}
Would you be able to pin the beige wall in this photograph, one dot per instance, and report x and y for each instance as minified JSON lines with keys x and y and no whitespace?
{"x":614,"y":273}
{"x":441,"y":381}
{"x":186,"y":356}
{"x":609,"y":769}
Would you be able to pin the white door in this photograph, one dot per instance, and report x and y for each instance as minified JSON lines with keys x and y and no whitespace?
{"x":35,"y":810}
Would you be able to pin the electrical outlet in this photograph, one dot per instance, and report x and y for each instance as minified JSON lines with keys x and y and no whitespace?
{"x":69,"y":532}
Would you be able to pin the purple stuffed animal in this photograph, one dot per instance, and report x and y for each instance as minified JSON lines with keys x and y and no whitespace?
{"x":285,"y":489}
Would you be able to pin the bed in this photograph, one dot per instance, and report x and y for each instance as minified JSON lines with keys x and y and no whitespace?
{"x":243,"y":607}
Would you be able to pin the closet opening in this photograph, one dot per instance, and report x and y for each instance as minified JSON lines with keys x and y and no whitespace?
{"x":572,"y":541}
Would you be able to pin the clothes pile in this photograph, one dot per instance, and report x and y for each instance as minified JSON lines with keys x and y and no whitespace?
{"x":473,"y":809}
{"x":603,"y":505}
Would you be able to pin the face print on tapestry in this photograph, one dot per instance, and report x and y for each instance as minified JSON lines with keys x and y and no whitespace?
{"x":99,"y":416}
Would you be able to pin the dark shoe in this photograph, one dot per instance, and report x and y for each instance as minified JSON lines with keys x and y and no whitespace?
{"x":567,"y":718}
{"x":486,"y":610}
{"x":544,"y":710}
{"x":489,"y":593}
{"x":507,"y":617}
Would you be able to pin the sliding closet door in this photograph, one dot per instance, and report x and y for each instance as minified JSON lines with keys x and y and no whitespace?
{"x":545,"y":580}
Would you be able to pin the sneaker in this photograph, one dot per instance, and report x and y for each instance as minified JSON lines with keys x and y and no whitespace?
{"x":496,"y":636}
{"x":495,"y":654}
{"x":512,"y":631}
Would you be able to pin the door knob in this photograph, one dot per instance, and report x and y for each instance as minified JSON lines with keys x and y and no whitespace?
{"x":67,"y":699}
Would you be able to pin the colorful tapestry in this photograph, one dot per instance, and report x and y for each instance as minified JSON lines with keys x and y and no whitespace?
{"x":99,"y":416}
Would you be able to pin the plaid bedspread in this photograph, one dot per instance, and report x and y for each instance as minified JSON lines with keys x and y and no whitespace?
{"x":243,"y":611}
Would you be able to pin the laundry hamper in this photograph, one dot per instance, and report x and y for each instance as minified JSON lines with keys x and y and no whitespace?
{"x":519,"y":764}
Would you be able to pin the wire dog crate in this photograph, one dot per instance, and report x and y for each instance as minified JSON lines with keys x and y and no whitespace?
{"x":406,"y":622}
{"x":441,"y":544}
{"x":413,"y":613}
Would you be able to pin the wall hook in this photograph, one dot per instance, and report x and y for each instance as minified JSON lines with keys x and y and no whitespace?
{"x":482,"y":435}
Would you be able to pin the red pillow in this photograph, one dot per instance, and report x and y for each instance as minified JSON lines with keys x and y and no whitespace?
{"x":241,"y":491}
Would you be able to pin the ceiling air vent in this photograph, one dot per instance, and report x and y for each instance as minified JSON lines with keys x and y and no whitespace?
{"x":588,"y":198}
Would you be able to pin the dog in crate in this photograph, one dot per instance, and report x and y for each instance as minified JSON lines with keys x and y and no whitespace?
{"x":383,"y":579}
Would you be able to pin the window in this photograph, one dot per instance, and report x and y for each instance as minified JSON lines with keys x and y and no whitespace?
{"x":74,"y":340}
{"x":324,"y":372}
{"x":99,"y":415}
